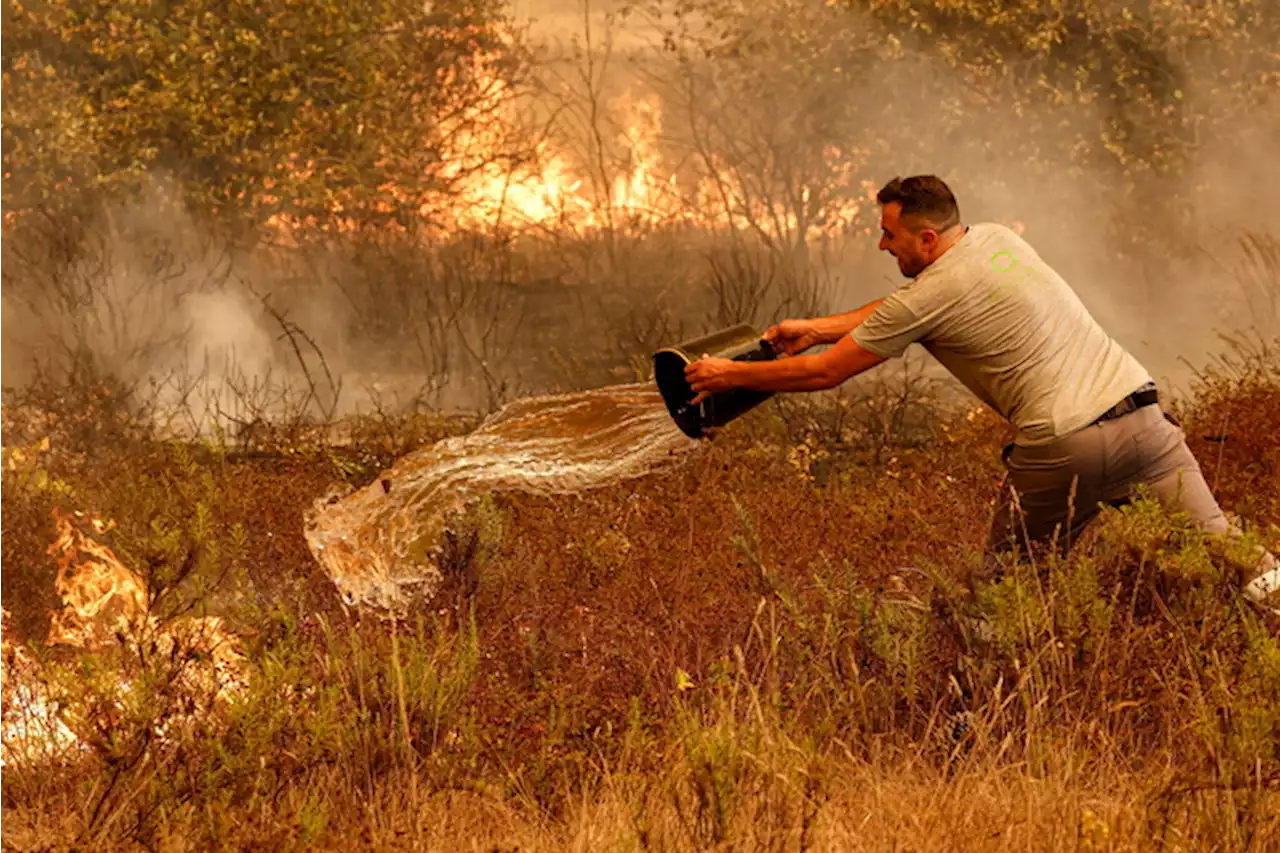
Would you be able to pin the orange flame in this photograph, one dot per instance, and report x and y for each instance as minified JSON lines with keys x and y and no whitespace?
{"x":555,"y":191}
{"x":643,"y":192}
{"x":105,"y":604}
{"x":102,"y":600}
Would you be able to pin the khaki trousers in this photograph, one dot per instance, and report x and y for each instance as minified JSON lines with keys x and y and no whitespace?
{"x":1061,"y":486}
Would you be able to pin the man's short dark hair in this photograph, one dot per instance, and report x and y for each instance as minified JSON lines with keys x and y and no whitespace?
{"x":925,"y":199}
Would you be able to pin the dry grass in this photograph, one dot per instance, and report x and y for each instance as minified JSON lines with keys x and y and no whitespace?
{"x":746,"y":653}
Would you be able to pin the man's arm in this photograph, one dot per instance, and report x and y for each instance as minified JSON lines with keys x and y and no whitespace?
{"x":799,"y":373}
{"x":832,"y":329}
{"x":792,"y":337}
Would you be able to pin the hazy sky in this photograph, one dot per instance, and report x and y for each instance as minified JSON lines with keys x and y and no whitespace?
{"x":562,"y":19}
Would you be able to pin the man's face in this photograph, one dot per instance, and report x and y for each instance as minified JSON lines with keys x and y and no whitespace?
{"x":910,"y":248}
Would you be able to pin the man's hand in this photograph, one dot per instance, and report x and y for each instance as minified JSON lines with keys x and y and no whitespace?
{"x":708,"y":376}
{"x":793,"y":336}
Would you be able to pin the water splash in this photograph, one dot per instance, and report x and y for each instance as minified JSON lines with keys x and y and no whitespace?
{"x":380,"y":545}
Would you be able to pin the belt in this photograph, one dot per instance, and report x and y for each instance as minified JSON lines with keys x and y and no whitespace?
{"x":1144,"y":396}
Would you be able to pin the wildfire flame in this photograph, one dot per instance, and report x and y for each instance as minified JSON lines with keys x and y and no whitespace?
{"x":642,"y":192}
{"x":101,"y":598}
{"x":105,"y":606}
{"x":556,"y":190}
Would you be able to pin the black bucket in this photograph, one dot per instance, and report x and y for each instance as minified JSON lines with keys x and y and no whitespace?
{"x":739,"y":343}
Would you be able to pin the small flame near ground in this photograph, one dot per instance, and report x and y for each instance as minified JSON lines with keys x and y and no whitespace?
{"x":105,"y":607}
{"x":101,"y":598}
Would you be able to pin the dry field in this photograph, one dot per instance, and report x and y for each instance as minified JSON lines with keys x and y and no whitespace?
{"x":769,"y":648}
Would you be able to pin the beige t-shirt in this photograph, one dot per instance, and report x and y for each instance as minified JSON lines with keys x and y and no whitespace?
{"x":1008,"y":327}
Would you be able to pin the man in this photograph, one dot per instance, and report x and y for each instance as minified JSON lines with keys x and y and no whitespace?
{"x":985,"y":305}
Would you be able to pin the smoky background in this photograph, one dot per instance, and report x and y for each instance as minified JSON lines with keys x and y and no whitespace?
{"x":653,"y":171}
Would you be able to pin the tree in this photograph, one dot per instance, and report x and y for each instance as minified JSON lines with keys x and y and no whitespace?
{"x":1120,"y":97}
{"x":363,"y":108}
{"x":1135,"y":64}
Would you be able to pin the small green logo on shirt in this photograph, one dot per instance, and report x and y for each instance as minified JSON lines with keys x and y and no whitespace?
{"x":1004,"y":261}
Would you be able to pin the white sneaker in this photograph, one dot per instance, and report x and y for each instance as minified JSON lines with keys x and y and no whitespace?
{"x":1264,"y":589}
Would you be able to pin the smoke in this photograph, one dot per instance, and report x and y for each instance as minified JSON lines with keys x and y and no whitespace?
{"x":215,"y":336}
{"x":148,"y":295}
{"x":1156,"y":257}
{"x":133,"y":292}
{"x":1162,"y":274}
{"x":342,"y":326}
